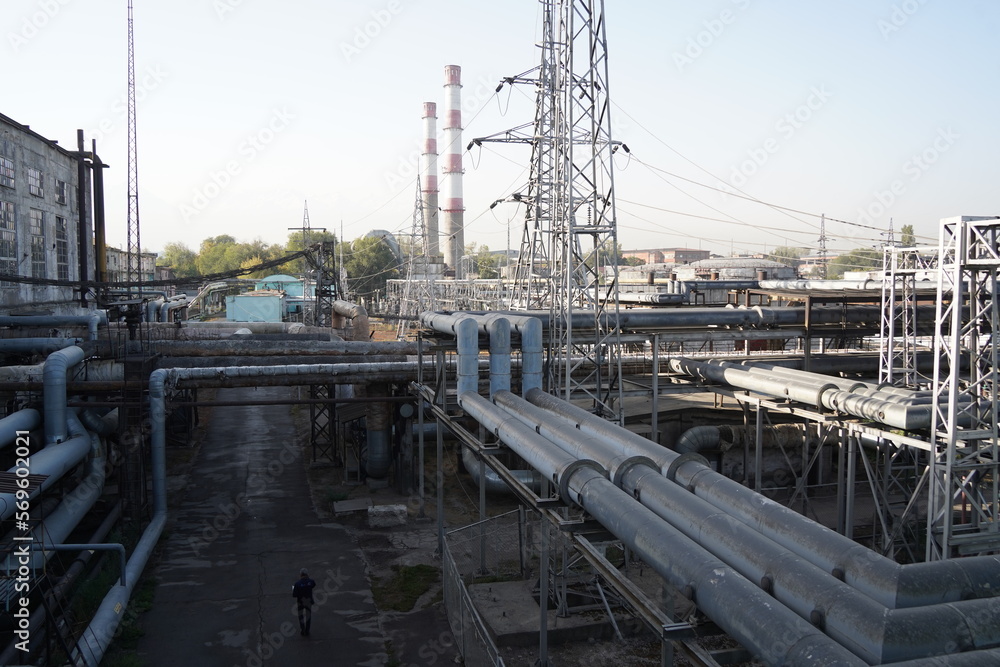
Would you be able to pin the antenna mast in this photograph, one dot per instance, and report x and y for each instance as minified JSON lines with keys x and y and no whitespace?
{"x":133,"y":250}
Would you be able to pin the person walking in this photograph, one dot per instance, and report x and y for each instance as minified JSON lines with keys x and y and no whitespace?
{"x":302,"y":591}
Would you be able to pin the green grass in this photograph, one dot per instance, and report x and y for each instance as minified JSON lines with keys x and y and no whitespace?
{"x":401,"y":591}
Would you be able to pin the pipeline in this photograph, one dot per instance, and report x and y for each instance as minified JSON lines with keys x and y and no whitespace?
{"x":54,"y":371}
{"x":98,"y":635}
{"x":52,"y":462}
{"x":173,"y":303}
{"x":755,"y":317}
{"x":893,"y":585}
{"x":36,"y":628}
{"x":58,"y":525}
{"x":857,"y":622}
{"x":36,"y":345}
{"x":360,"y":329}
{"x":91,"y":321}
{"x":254,"y":348}
{"x":23,"y":420}
{"x":770,"y":631}
{"x":528,"y":328}
{"x":829,"y":395}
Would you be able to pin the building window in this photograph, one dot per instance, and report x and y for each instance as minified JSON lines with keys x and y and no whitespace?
{"x":8,"y":241}
{"x":36,"y":227}
{"x":61,"y":191}
{"x":6,"y":172}
{"x":35,"y":183}
{"x":62,"y":249}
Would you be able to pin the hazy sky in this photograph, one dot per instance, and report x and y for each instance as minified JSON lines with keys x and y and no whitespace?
{"x":863,"y":110}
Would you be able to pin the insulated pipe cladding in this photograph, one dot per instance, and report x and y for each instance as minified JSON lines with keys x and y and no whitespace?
{"x":893,"y":585}
{"x":857,"y":622}
{"x":452,"y":203}
{"x":767,"y":628}
{"x":429,"y":184}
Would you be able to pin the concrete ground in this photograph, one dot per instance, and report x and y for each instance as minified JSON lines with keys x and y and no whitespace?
{"x":242,"y":524}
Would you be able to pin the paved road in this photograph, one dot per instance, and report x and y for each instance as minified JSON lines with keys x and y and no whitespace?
{"x":238,"y":536}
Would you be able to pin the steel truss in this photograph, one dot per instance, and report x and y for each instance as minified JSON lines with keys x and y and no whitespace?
{"x":899,"y":335}
{"x":328,"y":290}
{"x":963,"y":507}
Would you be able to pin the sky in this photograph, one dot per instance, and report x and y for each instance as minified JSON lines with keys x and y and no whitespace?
{"x":747,"y":120}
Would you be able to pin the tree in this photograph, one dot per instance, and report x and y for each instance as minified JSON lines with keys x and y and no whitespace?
{"x":369,"y":263}
{"x":861,"y":259}
{"x":907,"y":238}
{"x":788,"y":255}
{"x":180,"y":258}
{"x":299,"y":241}
{"x":487,"y":263}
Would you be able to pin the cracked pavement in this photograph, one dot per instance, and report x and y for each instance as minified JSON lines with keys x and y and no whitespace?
{"x":237,"y":535}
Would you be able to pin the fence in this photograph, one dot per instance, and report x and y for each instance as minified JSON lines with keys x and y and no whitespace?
{"x":495,"y":549}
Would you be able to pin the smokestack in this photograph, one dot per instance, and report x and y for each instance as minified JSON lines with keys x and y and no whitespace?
{"x":453,"y":205}
{"x":429,"y":185}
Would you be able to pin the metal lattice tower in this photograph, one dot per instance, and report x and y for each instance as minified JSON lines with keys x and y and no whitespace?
{"x":963,"y":506}
{"x":417,"y":237}
{"x":899,"y":329}
{"x":133,"y":269}
{"x":571,"y":225}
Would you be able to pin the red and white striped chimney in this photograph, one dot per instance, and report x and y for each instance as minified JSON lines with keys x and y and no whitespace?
{"x":429,"y":185}
{"x":453,"y":205}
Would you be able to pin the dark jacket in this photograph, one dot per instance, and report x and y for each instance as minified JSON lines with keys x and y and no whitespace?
{"x":302,"y":590}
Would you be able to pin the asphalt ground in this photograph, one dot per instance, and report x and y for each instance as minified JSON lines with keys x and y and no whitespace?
{"x":238,"y":534}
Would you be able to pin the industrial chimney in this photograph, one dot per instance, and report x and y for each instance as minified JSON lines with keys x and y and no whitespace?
{"x":429,"y":185}
{"x":453,"y":205}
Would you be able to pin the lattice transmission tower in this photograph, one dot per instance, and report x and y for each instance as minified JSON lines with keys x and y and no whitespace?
{"x":568,"y":256}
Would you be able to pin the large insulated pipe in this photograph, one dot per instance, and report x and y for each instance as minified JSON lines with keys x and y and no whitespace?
{"x":173,"y":303}
{"x":58,"y":525}
{"x":889,"y":583}
{"x":91,"y":321}
{"x":499,"y":330}
{"x":23,"y":420}
{"x":528,"y":328}
{"x":757,"y":316}
{"x":98,"y":635}
{"x":36,"y":345}
{"x":429,"y":185}
{"x":107,"y":370}
{"x":452,"y":203}
{"x":773,"y":633}
{"x":51,"y":463}
{"x":857,"y":622}
{"x":358,"y":316}
{"x":891,"y":413}
{"x":378,"y":425}
{"x":251,"y":348}
{"x":54,"y":372}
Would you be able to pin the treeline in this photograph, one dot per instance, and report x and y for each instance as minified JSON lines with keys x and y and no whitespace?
{"x":368,"y":261}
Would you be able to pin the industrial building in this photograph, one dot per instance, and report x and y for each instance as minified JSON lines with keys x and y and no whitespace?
{"x":46,"y":220}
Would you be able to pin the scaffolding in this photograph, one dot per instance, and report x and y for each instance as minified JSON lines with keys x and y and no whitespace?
{"x":963,"y":506}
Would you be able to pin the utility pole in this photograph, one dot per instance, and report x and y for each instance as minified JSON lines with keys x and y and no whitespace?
{"x":824,"y":260}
